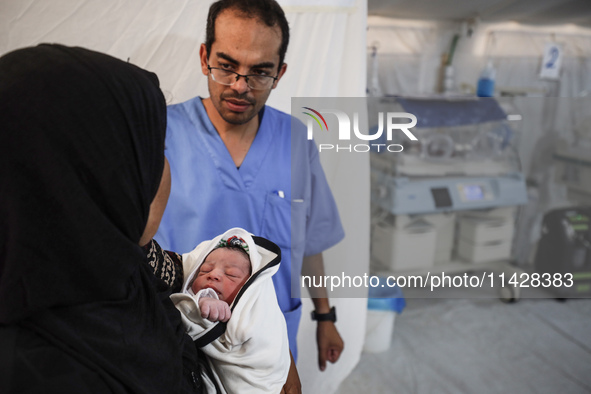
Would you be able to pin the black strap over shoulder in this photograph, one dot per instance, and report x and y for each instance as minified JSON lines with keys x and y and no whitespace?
{"x":216,"y":331}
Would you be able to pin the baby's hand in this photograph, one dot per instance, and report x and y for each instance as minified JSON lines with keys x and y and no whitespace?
{"x":214,"y":310}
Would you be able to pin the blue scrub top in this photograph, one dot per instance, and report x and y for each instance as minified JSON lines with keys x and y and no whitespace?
{"x":280,"y":192}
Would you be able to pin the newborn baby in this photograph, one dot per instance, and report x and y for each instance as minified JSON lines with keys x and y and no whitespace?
{"x":228,"y":281}
{"x":222,"y":274}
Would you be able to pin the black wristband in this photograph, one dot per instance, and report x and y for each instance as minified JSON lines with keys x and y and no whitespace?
{"x":330,"y":316}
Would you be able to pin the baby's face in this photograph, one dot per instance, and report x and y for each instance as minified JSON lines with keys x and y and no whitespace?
{"x":225,"y":271}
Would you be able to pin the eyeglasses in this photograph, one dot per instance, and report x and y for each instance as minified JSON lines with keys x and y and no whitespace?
{"x":229,"y":78}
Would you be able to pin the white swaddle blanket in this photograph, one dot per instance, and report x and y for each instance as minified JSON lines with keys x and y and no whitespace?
{"x":252,"y":355}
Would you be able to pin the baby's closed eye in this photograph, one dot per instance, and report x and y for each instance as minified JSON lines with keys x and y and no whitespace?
{"x":234,"y":273}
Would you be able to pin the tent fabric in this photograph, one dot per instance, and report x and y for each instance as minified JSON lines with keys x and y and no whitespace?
{"x":536,"y":12}
{"x":409,"y":56}
{"x":323,"y":60}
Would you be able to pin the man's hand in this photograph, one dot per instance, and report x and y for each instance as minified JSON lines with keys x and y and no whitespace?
{"x":330,"y":343}
{"x":214,"y":310}
{"x":292,"y":384}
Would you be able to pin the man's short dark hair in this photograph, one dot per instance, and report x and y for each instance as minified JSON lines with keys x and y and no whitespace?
{"x":267,"y":11}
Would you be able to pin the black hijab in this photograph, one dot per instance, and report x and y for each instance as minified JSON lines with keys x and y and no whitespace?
{"x":81,"y":156}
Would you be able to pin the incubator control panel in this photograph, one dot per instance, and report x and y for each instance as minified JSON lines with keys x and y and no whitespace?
{"x":441,"y":197}
{"x":420,"y":196}
{"x":474,"y":192}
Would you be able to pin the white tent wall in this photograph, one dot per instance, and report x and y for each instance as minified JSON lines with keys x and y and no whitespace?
{"x":325,"y":59}
{"x":409,"y":56}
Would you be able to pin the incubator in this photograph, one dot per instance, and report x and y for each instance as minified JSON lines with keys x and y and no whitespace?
{"x":449,"y":198}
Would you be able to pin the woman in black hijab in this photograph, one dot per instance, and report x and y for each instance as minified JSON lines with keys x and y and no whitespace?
{"x":81,"y":159}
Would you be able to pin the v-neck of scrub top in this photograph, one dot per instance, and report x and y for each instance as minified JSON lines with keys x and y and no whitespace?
{"x":230,"y":175}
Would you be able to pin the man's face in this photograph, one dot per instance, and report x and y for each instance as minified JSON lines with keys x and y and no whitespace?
{"x":245,"y":46}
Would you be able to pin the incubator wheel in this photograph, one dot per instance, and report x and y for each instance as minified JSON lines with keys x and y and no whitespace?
{"x":509,"y":294}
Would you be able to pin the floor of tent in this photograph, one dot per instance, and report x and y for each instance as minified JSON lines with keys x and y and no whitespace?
{"x":482,"y":346}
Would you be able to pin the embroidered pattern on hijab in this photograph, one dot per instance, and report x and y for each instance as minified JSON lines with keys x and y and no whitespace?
{"x":166,"y":265}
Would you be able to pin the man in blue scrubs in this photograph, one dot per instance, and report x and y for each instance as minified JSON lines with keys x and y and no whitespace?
{"x":231,"y":159}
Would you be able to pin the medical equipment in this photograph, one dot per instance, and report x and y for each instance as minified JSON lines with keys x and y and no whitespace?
{"x":449,"y":198}
{"x":405,"y":195}
{"x":488,"y":237}
{"x":403,"y":246}
{"x":564,"y":251}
